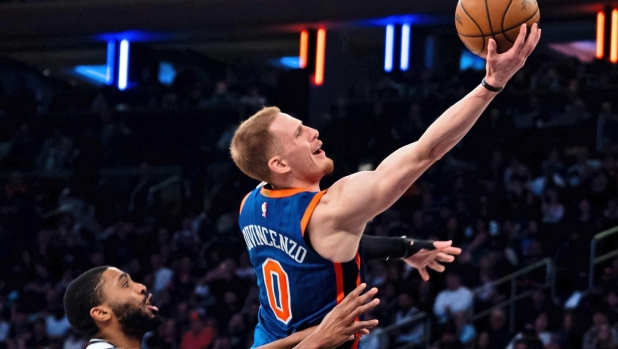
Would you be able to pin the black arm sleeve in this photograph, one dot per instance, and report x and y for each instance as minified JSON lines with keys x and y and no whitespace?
{"x":388,"y":248}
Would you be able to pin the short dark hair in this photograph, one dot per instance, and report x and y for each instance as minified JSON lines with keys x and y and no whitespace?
{"x":83,"y":294}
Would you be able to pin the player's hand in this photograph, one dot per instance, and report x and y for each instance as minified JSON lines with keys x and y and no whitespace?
{"x":340,"y":324}
{"x":423,"y":259}
{"x":502,"y":67}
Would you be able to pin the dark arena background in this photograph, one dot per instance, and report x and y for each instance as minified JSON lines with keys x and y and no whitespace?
{"x":116,"y":118}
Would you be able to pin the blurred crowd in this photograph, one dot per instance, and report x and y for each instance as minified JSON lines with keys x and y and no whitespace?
{"x":536,"y":178}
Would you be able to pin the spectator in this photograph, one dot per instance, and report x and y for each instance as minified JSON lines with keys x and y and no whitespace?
{"x":454,"y":299}
{"x":56,"y":323}
{"x":74,"y":340}
{"x":165,"y":337}
{"x":464,"y":329}
{"x":448,"y":339}
{"x":553,"y":210}
{"x":162,"y":275}
{"x":406,"y":311}
{"x":482,"y":341}
{"x":38,"y":339}
{"x":498,"y":335}
{"x":600,"y":334}
{"x":533,"y":307}
{"x":200,"y":336}
{"x":605,"y":339}
{"x":536,"y":332}
{"x":568,"y":336}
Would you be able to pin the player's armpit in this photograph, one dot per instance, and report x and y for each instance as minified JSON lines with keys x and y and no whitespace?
{"x":356,"y":199}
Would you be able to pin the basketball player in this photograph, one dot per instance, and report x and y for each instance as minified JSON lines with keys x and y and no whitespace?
{"x":304,"y":242}
{"x":105,"y":304}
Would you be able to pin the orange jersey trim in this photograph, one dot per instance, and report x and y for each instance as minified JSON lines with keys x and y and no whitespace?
{"x":309,"y":211}
{"x":358,"y":264}
{"x":339,"y":277}
{"x":281,"y":193}
{"x":242,"y":204}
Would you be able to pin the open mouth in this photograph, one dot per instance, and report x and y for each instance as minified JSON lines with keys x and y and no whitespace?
{"x":318,"y":150}
{"x":149,"y":305}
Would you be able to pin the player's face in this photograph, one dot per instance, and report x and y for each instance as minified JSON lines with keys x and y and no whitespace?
{"x":130,"y":302}
{"x":300,"y":149}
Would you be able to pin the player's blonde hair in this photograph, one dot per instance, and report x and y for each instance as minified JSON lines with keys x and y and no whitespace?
{"x":253,"y":144}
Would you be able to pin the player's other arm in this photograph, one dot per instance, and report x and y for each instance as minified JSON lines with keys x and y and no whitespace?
{"x":356,"y":199}
{"x":338,"y":326}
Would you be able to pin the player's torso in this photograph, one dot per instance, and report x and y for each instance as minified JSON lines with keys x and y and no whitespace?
{"x":297,"y":286}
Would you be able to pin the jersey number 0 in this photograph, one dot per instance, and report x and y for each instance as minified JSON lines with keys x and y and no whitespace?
{"x":278,"y":290}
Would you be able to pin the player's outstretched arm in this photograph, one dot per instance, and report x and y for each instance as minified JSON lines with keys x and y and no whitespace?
{"x":419,"y":254}
{"x":353,"y":201}
{"x":338,"y":326}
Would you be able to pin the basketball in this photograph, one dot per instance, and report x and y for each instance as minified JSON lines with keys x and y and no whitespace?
{"x":479,"y":20}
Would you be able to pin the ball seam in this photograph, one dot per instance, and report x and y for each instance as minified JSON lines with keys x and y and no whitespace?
{"x":477,"y":26}
{"x":491,"y":27}
{"x":506,"y":30}
{"x":502,"y":24}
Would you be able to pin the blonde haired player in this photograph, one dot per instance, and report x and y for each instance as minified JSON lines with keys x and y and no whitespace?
{"x":303,"y":241}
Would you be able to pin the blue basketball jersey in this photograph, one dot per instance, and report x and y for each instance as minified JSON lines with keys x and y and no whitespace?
{"x":297,"y":286}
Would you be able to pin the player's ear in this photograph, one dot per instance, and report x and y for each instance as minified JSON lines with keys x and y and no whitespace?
{"x":101,"y":313}
{"x":278,"y":165}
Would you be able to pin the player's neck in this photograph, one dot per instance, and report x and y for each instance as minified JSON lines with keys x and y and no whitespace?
{"x":294,"y":183}
{"x":121,"y":340}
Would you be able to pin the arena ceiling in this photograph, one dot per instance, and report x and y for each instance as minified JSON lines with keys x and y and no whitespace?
{"x":81,"y":19}
{"x":62,"y":32}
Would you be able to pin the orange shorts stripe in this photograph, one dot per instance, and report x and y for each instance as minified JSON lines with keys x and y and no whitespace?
{"x":309,"y":211}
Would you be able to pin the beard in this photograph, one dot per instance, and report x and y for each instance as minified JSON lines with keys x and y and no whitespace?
{"x":134,"y":321}
{"x":329,"y":167}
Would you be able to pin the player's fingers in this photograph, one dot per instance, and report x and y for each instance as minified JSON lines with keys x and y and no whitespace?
{"x":491,"y":48}
{"x":444,"y":258}
{"x":365,"y":308}
{"x":521,"y":38}
{"x":442,"y":244}
{"x":532,"y":40}
{"x":359,"y":325}
{"x":424,"y":274}
{"x":364,"y":332}
{"x":455,"y":251}
{"x":354,"y":294}
{"x":436,"y":266}
{"x":365,"y":297}
{"x":349,"y":302}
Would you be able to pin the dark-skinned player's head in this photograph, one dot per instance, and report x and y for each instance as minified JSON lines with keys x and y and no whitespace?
{"x":104,"y":300}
